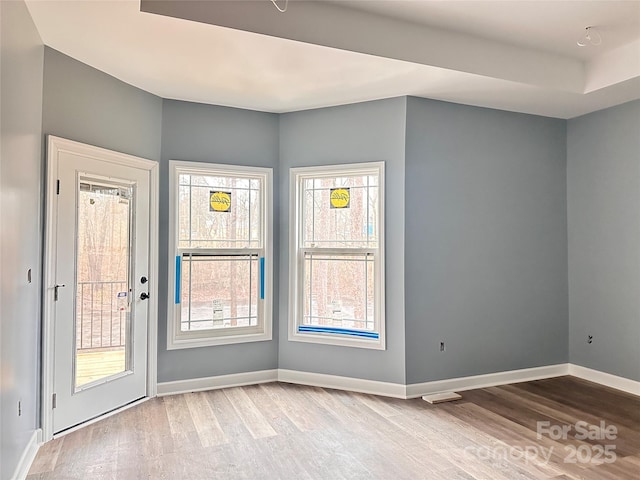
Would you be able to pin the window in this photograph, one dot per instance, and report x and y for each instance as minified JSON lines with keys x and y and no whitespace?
{"x":220,"y":254}
{"x":337,"y":255}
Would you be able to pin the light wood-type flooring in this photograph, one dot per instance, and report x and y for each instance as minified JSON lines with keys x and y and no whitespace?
{"x":95,"y":364}
{"x":296,"y":432}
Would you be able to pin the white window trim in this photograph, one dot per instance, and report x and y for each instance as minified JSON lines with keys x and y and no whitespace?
{"x":295,"y":258}
{"x":177,"y":339}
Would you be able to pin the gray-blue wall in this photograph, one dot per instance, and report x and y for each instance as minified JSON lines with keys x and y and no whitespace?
{"x":486,"y":241}
{"x":362,"y":132}
{"x":89,"y":106}
{"x":206,"y":133}
{"x":21,"y":231}
{"x":603,"y":151}
{"x":476,"y":216}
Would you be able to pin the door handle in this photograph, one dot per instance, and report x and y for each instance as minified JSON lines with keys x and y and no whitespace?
{"x":144,"y":296}
{"x":55,"y":291}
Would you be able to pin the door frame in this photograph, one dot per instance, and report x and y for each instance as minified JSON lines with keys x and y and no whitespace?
{"x":56,"y":145}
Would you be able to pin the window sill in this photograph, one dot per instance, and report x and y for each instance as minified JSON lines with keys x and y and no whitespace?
{"x":340,"y":339}
{"x":192,"y":341}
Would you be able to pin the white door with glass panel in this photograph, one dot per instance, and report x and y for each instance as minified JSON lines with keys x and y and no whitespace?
{"x":100,"y":231}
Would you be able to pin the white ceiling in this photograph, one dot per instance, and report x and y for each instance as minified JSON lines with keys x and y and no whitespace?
{"x":552,"y":26}
{"x":512,"y":55}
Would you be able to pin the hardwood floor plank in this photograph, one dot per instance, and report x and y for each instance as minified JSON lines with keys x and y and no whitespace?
{"x":619,"y":406}
{"x":500,"y":441}
{"x":305,"y":415}
{"x":249,"y":413}
{"x":183,"y":431}
{"x":522,"y":457}
{"x":287,"y":454}
{"x":180,"y":421}
{"x":377,"y":404}
{"x":228,"y":419}
{"x":209,"y":431}
{"x":448,"y":443}
{"x":368,"y":427}
{"x":259,"y":395}
{"x":158,"y":440}
{"x":330,"y":456}
{"x":76,"y":451}
{"x":47,"y":457}
{"x":620,"y":469}
{"x":517,"y":436}
{"x":283,"y":431}
{"x":627,"y":441}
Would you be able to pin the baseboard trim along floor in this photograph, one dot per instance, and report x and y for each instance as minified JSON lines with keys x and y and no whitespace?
{"x":373,"y":387}
{"x":28,"y":456}
{"x":396,"y":390}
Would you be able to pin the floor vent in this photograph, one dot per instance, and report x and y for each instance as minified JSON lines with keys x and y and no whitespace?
{"x":441,"y":397}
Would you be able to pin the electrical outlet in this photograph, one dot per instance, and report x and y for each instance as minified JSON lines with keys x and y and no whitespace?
{"x":442,"y":347}
{"x":590,"y":339}
{"x":19,"y":408}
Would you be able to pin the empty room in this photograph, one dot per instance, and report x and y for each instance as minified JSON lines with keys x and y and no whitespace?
{"x":324,"y":239}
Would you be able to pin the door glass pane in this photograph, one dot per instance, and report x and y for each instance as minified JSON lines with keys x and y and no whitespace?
{"x":102,"y":317}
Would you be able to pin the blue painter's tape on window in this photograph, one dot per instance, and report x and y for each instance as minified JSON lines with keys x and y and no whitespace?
{"x":178,"y":277}
{"x":338,"y":331}
{"x":261,"y":278}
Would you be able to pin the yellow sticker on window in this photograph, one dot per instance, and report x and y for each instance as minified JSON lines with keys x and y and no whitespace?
{"x":219,"y":201}
{"x":340,"y":198}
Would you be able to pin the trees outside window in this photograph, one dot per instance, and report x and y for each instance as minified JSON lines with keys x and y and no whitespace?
{"x":221,"y":254}
{"x":336,"y":266}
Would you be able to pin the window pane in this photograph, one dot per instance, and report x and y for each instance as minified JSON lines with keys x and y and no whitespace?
{"x":339,"y":291}
{"x":219,"y":212}
{"x":219,"y":292}
{"x":340,"y":211}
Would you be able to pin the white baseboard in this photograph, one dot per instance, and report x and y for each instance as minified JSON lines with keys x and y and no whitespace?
{"x":397,"y":390}
{"x":460,"y":384}
{"x":28,"y":456}
{"x":384,"y":389}
{"x":606,"y":379}
{"x":220,"y":381}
